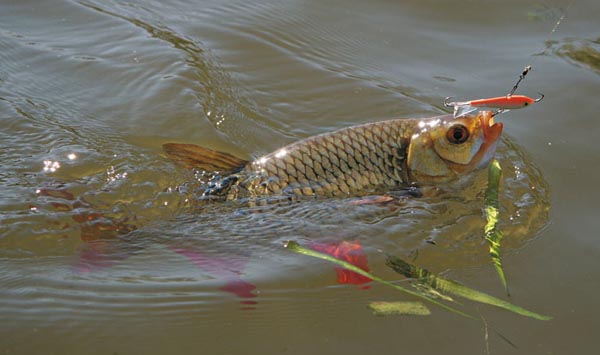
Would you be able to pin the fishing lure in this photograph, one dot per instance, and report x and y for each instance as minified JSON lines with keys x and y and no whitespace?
{"x":499,"y":104}
{"x":508,"y":102}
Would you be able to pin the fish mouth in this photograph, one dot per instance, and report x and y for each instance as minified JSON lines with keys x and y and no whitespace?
{"x":491,"y":130}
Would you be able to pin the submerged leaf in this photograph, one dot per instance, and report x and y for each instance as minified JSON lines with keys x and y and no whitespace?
{"x":492,"y":234}
{"x":453,"y":287}
{"x":297,"y":248}
{"x":399,"y":308}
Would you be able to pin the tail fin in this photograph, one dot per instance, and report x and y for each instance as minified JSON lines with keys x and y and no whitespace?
{"x":193,"y":156}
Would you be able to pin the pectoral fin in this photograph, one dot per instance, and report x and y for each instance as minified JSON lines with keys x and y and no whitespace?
{"x":196,"y":157}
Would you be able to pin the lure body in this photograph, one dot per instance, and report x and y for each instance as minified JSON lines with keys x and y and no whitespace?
{"x":509,"y":102}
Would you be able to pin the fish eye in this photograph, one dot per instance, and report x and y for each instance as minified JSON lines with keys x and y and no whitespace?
{"x":526,"y":103}
{"x":457,"y":134}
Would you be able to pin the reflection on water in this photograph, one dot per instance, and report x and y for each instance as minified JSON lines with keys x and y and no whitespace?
{"x":585,"y":53}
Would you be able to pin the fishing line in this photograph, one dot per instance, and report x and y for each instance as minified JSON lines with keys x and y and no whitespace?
{"x":529,"y":66}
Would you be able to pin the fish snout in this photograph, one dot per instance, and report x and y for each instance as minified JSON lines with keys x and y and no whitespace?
{"x":491,"y":129}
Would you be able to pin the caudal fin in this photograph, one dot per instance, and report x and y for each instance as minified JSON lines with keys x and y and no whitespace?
{"x":196,"y":157}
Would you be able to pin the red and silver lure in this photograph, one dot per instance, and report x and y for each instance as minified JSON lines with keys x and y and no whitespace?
{"x":499,"y":104}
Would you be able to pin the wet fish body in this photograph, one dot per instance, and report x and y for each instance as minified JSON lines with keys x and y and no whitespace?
{"x":355,"y":160}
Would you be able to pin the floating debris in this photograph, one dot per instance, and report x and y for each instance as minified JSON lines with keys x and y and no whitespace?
{"x":382,"y":308}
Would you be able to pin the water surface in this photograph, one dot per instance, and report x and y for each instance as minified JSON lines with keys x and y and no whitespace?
{"x":104,"y":248}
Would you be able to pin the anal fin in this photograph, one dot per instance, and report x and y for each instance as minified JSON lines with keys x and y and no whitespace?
{"x":195,"y":157}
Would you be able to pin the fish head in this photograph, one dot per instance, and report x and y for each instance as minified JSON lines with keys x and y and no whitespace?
{"x":445,"y":148}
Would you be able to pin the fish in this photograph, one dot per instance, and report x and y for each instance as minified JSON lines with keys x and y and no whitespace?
{"x":353,"y":161}
{"x":500,"y":103}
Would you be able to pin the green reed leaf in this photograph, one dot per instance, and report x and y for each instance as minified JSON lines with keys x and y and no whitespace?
{"x":492,"y":234}
{"x":297,"y":248}
{"x":453,"y":287}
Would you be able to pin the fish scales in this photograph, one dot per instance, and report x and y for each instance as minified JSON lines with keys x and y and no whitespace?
{"x":300,"y":167}
{"x":355,"y":149}
{"x":370,"y":160}
{"x":366,"y":157}
{"x":344,"y":166}
{"x":338,"y":142}
{"x":310,"y":174}
{"x":306,"y":158}
{"x":326,"y":155}
{"x":280,"y":163}
{"x":361,"y":142}
{"x":271,"y":171}
{"x":333,"y":156}
{"x":359,"y":159}
{"x":342,"y":156}
{"x":342,"y":162}
{"x":374,"y":179}
{"x":350,"y":153}
{"x":312,"y":153}
{"x":358,"y":149}
{"x":349,"y":180}
{"x":319,"y":171}
{"x":290,"y":171}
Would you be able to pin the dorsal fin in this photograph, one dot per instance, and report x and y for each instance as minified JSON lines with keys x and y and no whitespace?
{"x":193,"y":156}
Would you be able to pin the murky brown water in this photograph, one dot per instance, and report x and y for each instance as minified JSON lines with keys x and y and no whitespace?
{"x":104,"y":251}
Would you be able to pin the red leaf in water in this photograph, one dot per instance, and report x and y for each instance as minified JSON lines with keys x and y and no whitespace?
{"x":350,"y":252}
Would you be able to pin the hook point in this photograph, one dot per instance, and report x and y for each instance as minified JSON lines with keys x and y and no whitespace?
{"x":539,"y":98}
{"x":446,"y":103}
